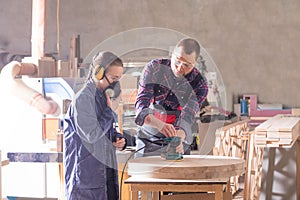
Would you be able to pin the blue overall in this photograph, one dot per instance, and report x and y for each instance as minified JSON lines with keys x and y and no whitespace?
{"x":89,"y":155}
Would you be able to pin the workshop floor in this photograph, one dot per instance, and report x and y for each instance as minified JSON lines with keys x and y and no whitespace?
{"x":239,"y":195}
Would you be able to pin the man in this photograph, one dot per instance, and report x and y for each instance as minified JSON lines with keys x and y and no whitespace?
{"x":170,"y":93}
{"x":90,"y":138}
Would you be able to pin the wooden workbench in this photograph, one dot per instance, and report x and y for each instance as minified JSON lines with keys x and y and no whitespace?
{"x":280,"y":131}
{"x":194,"y":173}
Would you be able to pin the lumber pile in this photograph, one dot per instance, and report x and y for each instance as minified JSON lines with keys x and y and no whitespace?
{"x":279,"y":131}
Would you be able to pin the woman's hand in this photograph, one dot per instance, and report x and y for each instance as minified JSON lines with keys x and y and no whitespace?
{"x":120,"y":143}
{"x":109,"y":102}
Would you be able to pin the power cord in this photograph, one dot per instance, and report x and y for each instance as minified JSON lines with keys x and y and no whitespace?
{"x":123,"y":170}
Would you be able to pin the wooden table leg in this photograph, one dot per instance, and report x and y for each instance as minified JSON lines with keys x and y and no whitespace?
{"x":134,"y":195}
{"x":62,"y":180}
{"x":155,"y":195}
{"x":125,"y":187}
{"x":249,"y":160}
{"x":144,"y":195}
{"x":219,"y":192}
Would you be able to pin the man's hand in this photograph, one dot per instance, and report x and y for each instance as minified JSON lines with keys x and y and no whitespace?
{"x":119,"y":144}
{"x":180,"y":133}
{"x":167,"y":129}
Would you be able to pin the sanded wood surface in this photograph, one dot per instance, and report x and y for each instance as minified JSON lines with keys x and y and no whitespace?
{"x":145,"y":179}
{"x":191,"y":167}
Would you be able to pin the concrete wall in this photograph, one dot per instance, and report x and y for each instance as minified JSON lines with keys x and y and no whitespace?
{"x":254,"y":44}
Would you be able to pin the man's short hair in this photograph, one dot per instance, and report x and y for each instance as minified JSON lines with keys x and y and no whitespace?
{"x":189,"y":45}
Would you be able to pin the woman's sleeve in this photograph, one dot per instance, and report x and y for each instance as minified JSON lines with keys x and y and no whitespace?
{"x":87,"y":125}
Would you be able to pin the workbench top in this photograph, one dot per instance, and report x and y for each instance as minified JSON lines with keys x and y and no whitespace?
{"x":143,"y":179}
{"x":191,"y":167}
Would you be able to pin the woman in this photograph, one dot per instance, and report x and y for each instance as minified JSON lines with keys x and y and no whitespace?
{"x":90,"y":138}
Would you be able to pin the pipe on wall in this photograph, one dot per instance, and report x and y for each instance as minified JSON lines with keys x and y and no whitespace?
{"x":38,"y":28}
{"x":10,"y":74}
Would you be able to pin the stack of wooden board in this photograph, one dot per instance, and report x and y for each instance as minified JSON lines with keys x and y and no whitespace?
{"x":280,"y":130}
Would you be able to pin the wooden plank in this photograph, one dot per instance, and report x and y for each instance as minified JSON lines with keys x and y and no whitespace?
{"x":0,"y":175}
{"x":61,"y":181}
{"x":206,"y":196}
{"x":284,"y":124}
{"x":62,"y":69}
{"x":125,"y":187}
{"x":265,"y":125}
{"x":280,"y":130}
{"x":298,"y":167}
{"x":193,"y":196}
{"x":233,"y":125}
{"x":143,"y":179}
{"x":73,"y":60}
{"x":296,"y":111}
{"x":46,"y":67}
{"x":254,"y":169}
{"x":4,"y":162}
{"x":177,"y":187}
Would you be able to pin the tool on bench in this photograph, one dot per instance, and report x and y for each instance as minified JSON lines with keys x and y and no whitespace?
{"x":170,"y":153}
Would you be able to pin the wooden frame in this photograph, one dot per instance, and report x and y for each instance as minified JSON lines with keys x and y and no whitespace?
{"x":231,"y":141}
{"x":253,"y":169}
{"x":218,"y":188}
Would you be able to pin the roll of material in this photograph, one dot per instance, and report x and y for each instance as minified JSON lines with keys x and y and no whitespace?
{"x":244,"y":107}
